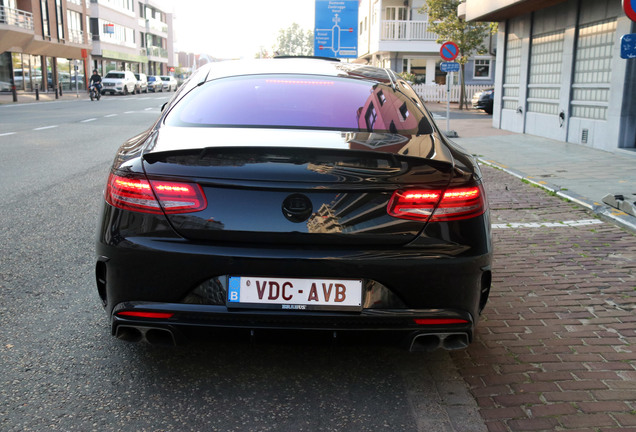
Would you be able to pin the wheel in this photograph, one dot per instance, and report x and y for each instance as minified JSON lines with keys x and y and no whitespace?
{"x":125,"y":90}
{"x":92,"y":95}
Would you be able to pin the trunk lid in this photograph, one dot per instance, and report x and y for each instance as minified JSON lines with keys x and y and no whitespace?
{"x":297,"y":187}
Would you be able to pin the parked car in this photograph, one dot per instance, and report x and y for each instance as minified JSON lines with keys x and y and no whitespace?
{"x":122,"y":82}
{"x":484,"y":100}
{"x":169,"y":83}
{"x":155,"y":84}
{"x":295,"y":194}
{"x":142,"y":83}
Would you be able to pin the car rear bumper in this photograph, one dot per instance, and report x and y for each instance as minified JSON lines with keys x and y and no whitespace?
{"x":393,"y":326}
{"x":401,"y":285}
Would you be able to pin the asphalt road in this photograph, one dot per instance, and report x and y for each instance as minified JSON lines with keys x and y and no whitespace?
{"x":61,"y":369}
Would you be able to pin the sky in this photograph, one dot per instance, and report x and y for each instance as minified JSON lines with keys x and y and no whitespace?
{"x":236,"y":28}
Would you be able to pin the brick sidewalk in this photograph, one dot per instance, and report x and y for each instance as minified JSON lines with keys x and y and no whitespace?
{"x":555,"y":347}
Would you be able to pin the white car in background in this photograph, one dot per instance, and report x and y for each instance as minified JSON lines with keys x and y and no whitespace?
{"x":169,"y":83}
{"x":122,"y":82}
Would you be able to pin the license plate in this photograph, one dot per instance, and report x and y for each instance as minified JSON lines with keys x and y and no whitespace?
{"x":294,"y":293}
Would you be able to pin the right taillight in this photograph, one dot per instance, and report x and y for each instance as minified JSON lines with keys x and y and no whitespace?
{"x":155,"y":196}
{"x":436,"y":205}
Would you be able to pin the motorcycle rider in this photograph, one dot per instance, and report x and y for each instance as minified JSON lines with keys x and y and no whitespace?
{"x":97,"y":80}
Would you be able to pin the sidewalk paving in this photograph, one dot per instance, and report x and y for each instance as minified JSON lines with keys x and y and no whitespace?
{"x":6,"y":98}
{"x":554,"y":349}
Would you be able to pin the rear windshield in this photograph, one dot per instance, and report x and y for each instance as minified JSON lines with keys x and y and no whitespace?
{"x":297,"y":101}
{"x":114,"y":75}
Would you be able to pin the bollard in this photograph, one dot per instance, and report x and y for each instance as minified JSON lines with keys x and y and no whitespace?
{"x":60,"y":87}
{"x":56,"y":95}
{"x":37,"y":92}
{"x":15,"y":93}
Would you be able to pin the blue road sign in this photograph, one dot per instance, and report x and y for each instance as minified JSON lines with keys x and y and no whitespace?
{"x":336,"y":30}
{"x":449,"y":51}
{"x":628,"y":46}
{"x":449,"y":66}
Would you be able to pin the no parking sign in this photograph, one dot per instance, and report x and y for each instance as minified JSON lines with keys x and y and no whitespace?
{"x":449,"y":51}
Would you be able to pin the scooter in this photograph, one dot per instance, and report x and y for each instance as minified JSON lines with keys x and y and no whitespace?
{"x":94,"y":91}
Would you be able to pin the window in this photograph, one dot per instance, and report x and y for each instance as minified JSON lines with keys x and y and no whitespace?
{"x":59,"y":15}
{"x":44,"y":8}
{"x":481,"y":69}
{"x":298,"y":101}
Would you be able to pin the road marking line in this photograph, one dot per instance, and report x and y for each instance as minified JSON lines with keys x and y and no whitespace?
{"x":45,"y":127}
{"x":148,"y":109}
{"x":562,"y":224}
{"x":7,"y":133}
{"x":88,"y":120}
{"x":130,"y":112}
{"x":111,"y":115}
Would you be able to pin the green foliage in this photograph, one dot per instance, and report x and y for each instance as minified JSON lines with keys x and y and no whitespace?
{"x":294,"y":41}
{"x":407,"y":76}
{"x":469,"y":36}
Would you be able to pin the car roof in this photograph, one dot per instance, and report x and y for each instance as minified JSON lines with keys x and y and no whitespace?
{"x":295,"y":65}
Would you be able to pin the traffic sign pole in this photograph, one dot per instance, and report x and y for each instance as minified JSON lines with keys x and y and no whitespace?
{"x":449,"y":52}
{"x":449,"y":78}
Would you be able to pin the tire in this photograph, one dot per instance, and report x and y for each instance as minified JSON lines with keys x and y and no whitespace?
{"x":125,"y":90}
{"x":92,"y":95}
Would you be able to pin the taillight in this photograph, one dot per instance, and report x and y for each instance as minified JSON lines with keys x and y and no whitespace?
{"x":454,"y":204}
{"x":152,"y":196}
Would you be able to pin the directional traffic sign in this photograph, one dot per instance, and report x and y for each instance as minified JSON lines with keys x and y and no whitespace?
{"x":449,"y":66}
{"x":629,"y":6}
{"x":336,"y":28}
{"x":628,"y":46}
{"x":449,"y":51}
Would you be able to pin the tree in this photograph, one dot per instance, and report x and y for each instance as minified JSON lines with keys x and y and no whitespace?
{"x":469,"y":36}
{"x":294,"y":41}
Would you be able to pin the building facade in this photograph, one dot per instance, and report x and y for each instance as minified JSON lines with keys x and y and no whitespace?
{"x":131,"y":35}
{"x":560,"y":74}
{"x":395,"y":34}
{"x":44,"y":44}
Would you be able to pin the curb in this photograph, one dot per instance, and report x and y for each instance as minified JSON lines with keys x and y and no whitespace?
{"x":619,"y":217}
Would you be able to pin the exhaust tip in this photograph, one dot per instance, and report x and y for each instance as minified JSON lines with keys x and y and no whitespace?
{"x":455,"y":341}
{"x":161,"y":337}
{"x":129,"y":334}
{"x":425,"y":343}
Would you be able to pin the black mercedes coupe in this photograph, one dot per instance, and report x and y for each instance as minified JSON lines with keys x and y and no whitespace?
{"x":295,"y":194}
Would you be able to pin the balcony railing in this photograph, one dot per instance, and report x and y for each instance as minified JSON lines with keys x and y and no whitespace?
{"x":407,"y":31}
{"x":76,"y":36}
{"x":157,"y":26}
{"x":157,"y":52}
{"x":16,"y":17}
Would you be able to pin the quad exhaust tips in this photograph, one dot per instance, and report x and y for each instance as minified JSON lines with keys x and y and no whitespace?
{"x":160,"y":336}
{"x":430,"y":342}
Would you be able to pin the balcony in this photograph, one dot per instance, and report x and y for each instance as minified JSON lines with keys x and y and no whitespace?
{"x":156,"y":26}
{"x":157,"y":52}
{"x":76,"y":36}
{"x":406,"y":31}
{"x":16,"y":17}
{"x":16,"y":28}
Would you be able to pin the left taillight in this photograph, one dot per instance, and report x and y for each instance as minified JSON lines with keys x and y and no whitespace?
{"x":437,"y":205}
{"x":154,"y":196}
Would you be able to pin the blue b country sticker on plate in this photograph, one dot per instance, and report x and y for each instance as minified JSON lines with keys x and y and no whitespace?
{"x":234,"y":290}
